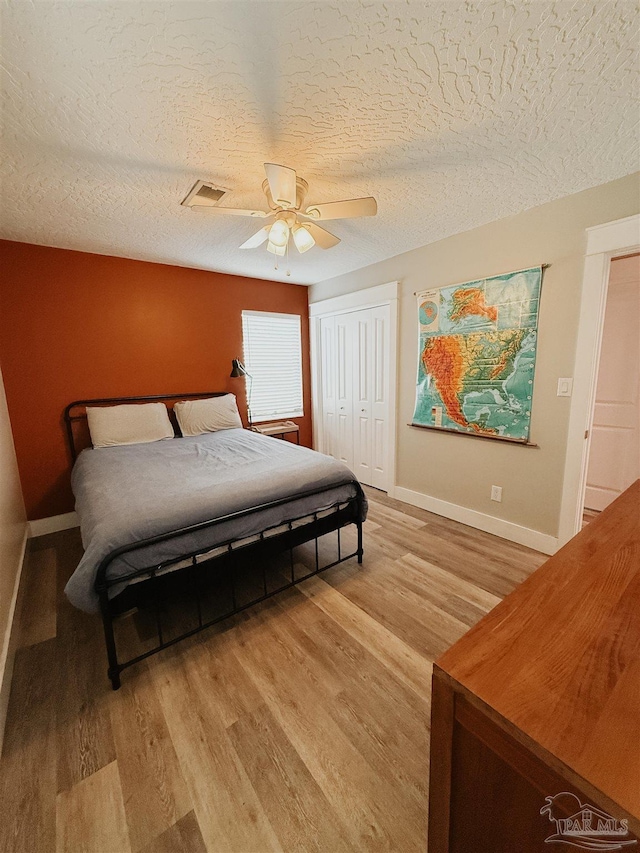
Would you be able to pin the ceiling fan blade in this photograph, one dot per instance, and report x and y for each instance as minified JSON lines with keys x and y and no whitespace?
{"x":347,"y":209}
{"x":258,"y":238}
{"x":229,"y":211}
{"x":282,"y":183}
{"x":323,"y":238}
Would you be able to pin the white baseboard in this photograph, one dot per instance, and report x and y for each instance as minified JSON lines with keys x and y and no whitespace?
{"x":480,"y":520}
{"x":7,"y":650}
{"x":42,"y":526}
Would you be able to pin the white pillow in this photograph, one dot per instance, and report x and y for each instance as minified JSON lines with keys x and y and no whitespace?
{"x":196,"y":417}
{"x":129,"y":424}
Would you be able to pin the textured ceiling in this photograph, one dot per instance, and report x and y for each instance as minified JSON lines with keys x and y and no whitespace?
{"x":451,"y":114}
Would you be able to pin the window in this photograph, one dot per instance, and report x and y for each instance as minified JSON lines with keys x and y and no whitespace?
{"x":273,"y":358}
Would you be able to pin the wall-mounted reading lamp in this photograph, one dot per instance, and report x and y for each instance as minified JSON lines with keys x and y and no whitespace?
{"x":237,"y":370}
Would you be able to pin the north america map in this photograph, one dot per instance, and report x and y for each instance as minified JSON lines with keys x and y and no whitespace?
{"x":477,"y":355}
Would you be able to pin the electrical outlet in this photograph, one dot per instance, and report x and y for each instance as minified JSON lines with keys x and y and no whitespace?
{"x":496,"y":493}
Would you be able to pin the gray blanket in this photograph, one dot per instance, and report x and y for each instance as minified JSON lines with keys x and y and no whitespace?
{"x":126,"y":494}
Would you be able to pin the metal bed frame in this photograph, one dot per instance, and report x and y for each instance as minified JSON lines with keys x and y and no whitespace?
{"x":152,"y":581}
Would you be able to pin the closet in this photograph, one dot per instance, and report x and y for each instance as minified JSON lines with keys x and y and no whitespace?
{"x":353,"y":349}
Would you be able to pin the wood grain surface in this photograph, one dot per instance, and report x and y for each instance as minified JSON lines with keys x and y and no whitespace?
{"x":559,"y":658}
{"x":300,"y":725}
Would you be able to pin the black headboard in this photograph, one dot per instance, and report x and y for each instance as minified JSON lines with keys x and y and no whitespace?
{"x":73,"y":417}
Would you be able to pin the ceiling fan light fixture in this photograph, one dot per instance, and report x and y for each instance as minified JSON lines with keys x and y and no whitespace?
{"x":302,"y":238}
{"x":286,"y":194}
{"x":276,"y":250}
{"x":279,"y":233}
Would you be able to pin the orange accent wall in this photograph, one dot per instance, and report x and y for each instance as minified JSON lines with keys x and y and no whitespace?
{"x":75,"y":325}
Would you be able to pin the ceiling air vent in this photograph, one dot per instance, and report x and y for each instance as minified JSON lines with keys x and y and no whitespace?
{"x":204,"y":193}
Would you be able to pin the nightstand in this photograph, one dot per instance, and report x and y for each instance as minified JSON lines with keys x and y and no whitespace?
{"x":278,"y":429}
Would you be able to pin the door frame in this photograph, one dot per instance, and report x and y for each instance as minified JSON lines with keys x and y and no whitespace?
{"x":370,"y":297}
{"x":604,"y":242}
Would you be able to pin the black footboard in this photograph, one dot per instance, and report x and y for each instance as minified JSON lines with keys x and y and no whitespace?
{"x":154,"y":586}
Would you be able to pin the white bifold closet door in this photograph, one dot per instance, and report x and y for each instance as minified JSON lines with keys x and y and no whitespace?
{"x":355,"y":391}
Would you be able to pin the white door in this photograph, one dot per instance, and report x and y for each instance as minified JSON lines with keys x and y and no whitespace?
{"x":328,"y":379}
{"x":362,"y":350}
{"x":344,"y":389}
{"x":371,"y":383}
{"x":380,"y":403}
{"x":614,"y":455}
{"x":354,"y":359}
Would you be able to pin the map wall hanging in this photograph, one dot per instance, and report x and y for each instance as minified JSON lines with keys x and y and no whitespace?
{"x":477,"y":355}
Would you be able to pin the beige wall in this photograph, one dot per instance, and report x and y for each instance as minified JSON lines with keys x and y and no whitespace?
{"x":462,"y":469}
{"x":12,"y":530}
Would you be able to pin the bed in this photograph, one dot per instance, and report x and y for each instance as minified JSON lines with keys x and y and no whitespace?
{"x":160,"y":520}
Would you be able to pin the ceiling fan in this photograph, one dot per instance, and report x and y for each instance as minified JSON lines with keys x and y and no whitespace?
{"x":286,"y":194}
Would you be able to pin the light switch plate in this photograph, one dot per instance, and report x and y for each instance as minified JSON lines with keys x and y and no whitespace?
{"x":565,"y":387}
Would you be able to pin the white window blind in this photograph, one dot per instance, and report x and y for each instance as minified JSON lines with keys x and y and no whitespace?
{"x":273,"y":357}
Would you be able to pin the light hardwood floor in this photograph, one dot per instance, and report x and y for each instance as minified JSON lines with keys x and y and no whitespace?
{"x":301,"y":725}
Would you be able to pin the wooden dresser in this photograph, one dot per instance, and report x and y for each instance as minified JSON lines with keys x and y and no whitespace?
{"x":542,"y":697}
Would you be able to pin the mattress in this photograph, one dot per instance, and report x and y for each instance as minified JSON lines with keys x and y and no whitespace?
{"x":135,"y":492}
